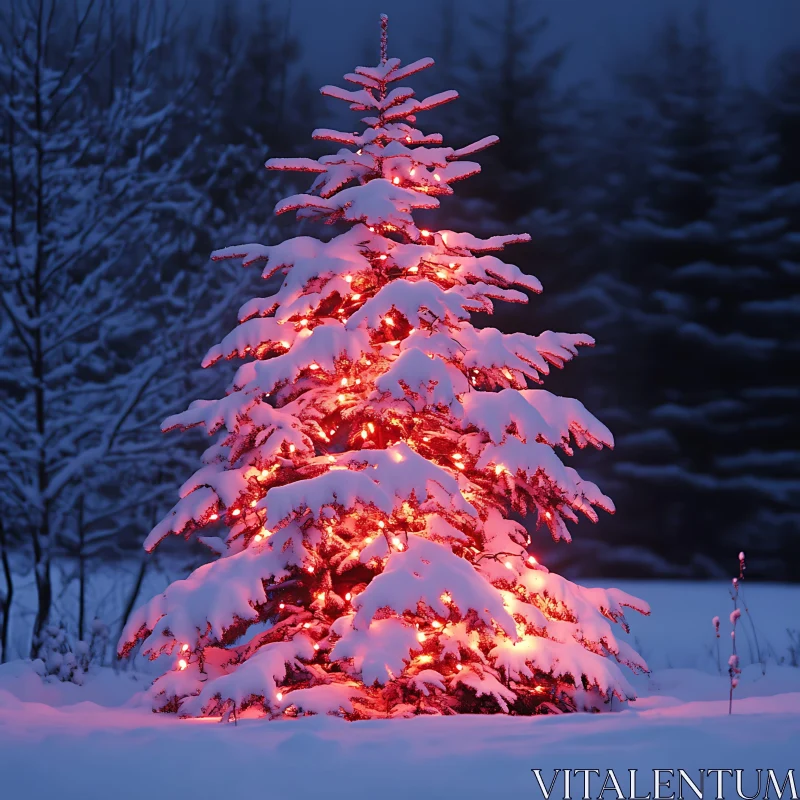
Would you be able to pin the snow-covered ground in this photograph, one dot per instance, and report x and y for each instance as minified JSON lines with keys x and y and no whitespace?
{"x":101,"y":740}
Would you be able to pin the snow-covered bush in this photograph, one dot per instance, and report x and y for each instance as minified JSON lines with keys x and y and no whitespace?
{"x":57,"y":656}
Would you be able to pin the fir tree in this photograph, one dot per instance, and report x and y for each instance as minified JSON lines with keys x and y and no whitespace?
{"x":761,"y":207}
{"x":704,"y":279}
{"x":680,"y":332}
{"x":515,"y":93}
{"x":371,"y":449}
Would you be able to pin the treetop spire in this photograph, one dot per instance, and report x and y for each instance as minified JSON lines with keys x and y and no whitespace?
{"x":384,"y":37}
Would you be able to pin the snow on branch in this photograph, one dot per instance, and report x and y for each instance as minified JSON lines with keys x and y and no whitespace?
{"x":295,"y":164}
{"x":484,"y":684}
{"x":323,"y":346}
{"x":478,"y":245}
{"x":258,"y":677}
{"x":256,"y":336}
{"x":381,"y":72}
{"x":341,"y":488}
{"x":410,"y":107}
{"x":413,"y":301}
{"x":188,"y":513}
{"x":432,"y":379}
{"x":436,"y":100}
{"x":563,"y":660}
{"x":400,"y":73}
{"x":362,"y":80}
{"x":379,"y":651}
{"x":330,"y":135}
{"x":409,"y":474}
{"x":359,"y":100}
{"x":569,"y":416}
{"x":421,"y":573}
{"x":249,"y":253}
{"x":475,"y":147}
{"x":375,"y":203}
{"x":329,"y":698}
{"x":494,"y":413}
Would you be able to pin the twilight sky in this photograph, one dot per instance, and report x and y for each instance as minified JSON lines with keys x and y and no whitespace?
{"x":334,"y":34}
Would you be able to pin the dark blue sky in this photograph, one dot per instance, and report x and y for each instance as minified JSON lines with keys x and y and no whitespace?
{"x":334,"y":33}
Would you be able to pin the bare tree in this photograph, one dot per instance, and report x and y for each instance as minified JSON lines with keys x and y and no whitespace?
{"x":86,"y":201}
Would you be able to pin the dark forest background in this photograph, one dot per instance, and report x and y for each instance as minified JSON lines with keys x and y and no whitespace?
{"x":665,"y":216}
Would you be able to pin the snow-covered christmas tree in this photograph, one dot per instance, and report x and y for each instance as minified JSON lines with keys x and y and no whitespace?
{"x":371,"y":449}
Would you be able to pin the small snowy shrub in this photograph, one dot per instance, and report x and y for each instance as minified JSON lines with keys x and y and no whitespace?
{"x":58,"y":658}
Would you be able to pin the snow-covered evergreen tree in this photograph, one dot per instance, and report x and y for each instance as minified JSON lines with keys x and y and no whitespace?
{"x":370,"y":451}
{"x":514,"y":90}
{"x":702,"y":440}
{"x":674,"y":261}
{"x":761,"y":209}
